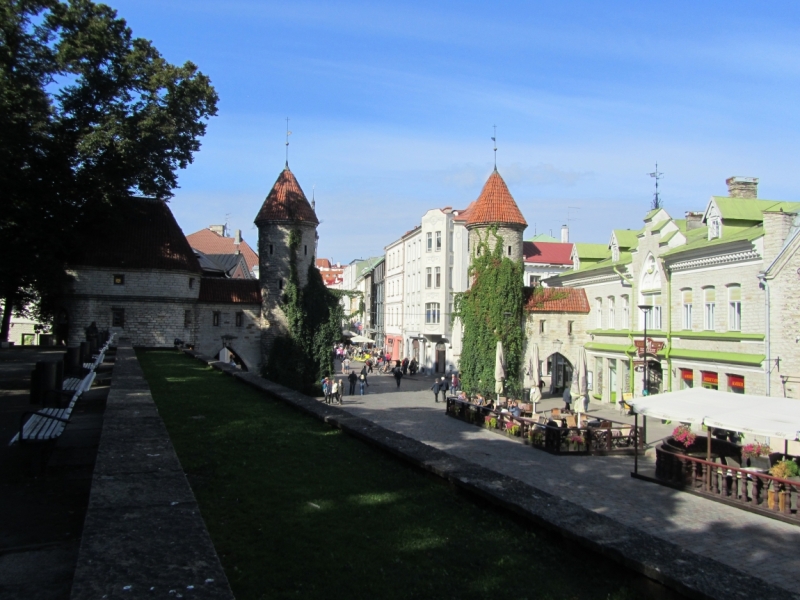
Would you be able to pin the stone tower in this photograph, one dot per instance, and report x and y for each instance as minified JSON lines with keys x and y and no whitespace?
{"x":285,"y":210}
{"x":496,"y":206}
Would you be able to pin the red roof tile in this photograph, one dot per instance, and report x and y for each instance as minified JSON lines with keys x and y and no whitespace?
{"x":141,"y":233}
{"x":286,"y":202}
{"x":561,"y":299}
{"x":323,"y":263}
{"x":229,"y":291}
{"x":211,"y":243}
{"x":551,"y":253}
{"x":495,"y":205}
{"x":463,"y":215}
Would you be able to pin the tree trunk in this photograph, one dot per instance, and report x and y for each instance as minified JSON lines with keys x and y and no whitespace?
{"x":6,"y":326}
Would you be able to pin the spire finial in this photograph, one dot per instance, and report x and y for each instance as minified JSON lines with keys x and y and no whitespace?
{"x":494,"y":139}
{"x":313,"y":200}
{"x":288,"y":133}
{"x":656,"y":197}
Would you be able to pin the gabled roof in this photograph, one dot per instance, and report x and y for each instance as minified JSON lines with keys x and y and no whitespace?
{"x":698,"y":239}
{"x":553,"y":253}
{"x":626,"y":239}
{"x":141,"y":233}
{"x":213,"y":244}
{"x":495,"y":205}
{"x":211,"y":268}
{"x":230,"y":291}
{"x":323,"y":263}
{"x":543,"y":237}
{"x":592,"y":251}
{"x":555,"y":299}
{"x":749,"y":209}
{"x":286,"y":202}
{"x":463,"y":215}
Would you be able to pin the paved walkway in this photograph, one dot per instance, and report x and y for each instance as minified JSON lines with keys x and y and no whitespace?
{"x":759,"y":546}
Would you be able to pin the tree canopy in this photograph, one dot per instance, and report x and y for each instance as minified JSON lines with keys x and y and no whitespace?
{"x":88,"y":114}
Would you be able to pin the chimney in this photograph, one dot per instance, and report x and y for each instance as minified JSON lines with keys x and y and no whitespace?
{"x":238,"y":239}
{"x":742,"y":187}
{"x":218,"y":229}
{"x":564,"y":234}
{"x":776,"y":227}
{"x":694,"y":220}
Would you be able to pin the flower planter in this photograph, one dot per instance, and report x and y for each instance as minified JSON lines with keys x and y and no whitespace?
{"x":759,"y":462}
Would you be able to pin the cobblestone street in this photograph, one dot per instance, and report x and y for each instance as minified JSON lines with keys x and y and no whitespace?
{"x":757,"y":545}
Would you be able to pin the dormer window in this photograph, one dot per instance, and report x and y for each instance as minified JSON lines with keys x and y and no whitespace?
{"x":714,"y":228}
{"x":615,"y":252}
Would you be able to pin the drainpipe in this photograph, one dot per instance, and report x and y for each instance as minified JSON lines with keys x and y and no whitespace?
{"x":669,"y":327}
{"x":762,"y":279}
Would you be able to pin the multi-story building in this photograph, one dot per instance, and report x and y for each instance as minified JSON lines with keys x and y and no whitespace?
{"x":393,"y":303}
{"x":696,"y":286}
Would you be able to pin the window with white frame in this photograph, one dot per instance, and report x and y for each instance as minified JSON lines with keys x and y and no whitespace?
{"x":428,"y":277}
{"x":652,"y":317}
{"x":432,"y":314}
{"x":714,"y":228}
{"x":734,"y":308}
{"x":438,"y":241}
{"x":598,"y":307}
{"x":437,"y":281}
{"x":686,"y":299}
{"x":709,"y":303}
{"x":611,"y":312}
{"x":429,"y":239}
{"x":626,"y":312}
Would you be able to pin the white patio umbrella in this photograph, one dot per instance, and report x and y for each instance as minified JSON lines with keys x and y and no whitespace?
{"x":499,"y":368}
{"x":579,"y":388}
{"x":533,"y":365}
{"x":360,"y":339}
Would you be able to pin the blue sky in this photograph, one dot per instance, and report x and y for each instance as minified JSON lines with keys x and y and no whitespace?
{"x":391,"y":107}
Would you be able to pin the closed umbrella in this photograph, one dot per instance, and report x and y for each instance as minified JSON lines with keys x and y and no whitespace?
{"x":580,"y":376}
{"x":536,"y":392}
{"x":499,"y":368}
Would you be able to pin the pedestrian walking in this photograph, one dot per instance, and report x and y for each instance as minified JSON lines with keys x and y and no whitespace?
{"x":363,"y":376}
{"x":325,"y":388}
{"x":336,"y":395}
{"x":455,"y":383}
{"x":567,"y":397}
{"x":436,"y":387}
{"x":405,"y":365}
{"x":369,"y":364}
{"x":362,"y":382}
{"x":346,"y":365}
{"x":398,"y":375}
{"x":352,"y":378}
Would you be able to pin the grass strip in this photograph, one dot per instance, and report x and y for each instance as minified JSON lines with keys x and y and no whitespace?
{"x":298,"y":509}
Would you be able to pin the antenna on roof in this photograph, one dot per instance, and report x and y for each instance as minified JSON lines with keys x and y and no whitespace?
{"x":656,"y":197}
{"x":494,"y":139}
{"x":288,"y":133}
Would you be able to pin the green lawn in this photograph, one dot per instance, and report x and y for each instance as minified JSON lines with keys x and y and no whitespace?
{"x":297,"y":509}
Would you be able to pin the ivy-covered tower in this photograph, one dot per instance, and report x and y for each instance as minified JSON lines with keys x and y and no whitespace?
{"x":287,"y":234}
{"x":495,"y":207}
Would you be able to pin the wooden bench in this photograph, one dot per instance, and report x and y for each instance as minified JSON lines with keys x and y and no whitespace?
{"x":49,"y":423}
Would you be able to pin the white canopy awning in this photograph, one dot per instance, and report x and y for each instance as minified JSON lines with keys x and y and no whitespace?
{"x":746,"y":413}
{"x":360,"y":339}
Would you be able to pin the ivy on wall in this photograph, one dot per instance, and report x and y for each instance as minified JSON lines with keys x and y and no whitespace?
{"x":314,"y":315}
{"x":491,"y":310}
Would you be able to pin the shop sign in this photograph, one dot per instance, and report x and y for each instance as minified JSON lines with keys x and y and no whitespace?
{"x":653,"y":347}
{"x":687,"y":375}
{"x":736,"y":383}
{"x":710,"y":378}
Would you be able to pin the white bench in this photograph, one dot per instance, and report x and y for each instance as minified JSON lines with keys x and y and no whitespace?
{"x":49,"y":423}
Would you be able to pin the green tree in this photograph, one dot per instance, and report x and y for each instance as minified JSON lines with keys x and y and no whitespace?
{"x":491,"y":311}
{"x":88,"y":113}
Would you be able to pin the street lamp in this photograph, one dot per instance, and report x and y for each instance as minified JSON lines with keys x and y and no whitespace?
{"x":645,"y":308}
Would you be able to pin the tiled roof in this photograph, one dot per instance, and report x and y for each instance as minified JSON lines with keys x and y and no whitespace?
{"x":211,"y":243}
{"x":552,"y":253}
{"x":323,"y":263}
{"x":463,"y":215}
{"x":560,"y":299}
{"x":141,"y":233}
{"x":230,"y":291}
{"x":495,"y":205}
{"x":286,"y":202}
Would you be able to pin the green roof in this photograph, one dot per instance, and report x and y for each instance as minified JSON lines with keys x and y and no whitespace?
{"x":626,"y":238}
{"x":747,"y":209}
{"x":365,"y":266}
{"x":651,"y":214}
{"x":592,"y":251}
{"x":665,"y":240}
{"x":737,"y":358}
{"x":697,"y":241}
{"x":543,"y":237}
{"x":661,"y":225}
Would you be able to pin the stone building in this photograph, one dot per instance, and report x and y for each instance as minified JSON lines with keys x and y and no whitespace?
{"x":696,"y":285}
{"x":141,"y":280}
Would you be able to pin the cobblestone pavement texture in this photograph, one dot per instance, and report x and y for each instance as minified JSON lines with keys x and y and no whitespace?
{"x":759,"y":546}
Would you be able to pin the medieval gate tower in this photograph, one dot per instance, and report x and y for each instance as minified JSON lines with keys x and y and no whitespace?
{"x":285,"y":217}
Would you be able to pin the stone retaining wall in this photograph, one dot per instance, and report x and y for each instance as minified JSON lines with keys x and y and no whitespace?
{"x":690,"y":574}
{"x":144,"y":536}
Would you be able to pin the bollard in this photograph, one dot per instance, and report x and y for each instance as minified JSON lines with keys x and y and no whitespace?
{"x":85,"y":355}
{"x":72,"y":361}
{"x":44,"y":379}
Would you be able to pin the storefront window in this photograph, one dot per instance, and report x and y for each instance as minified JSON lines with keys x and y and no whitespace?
{"x":736,"y":384}
{"x":687,"y":379}
{"x":710,"y":380}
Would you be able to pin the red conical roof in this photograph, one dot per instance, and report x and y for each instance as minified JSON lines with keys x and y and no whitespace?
{"x":286,"y":202}
{"x":495,"y":205}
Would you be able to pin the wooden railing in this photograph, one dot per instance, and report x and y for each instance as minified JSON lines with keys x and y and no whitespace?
{"x":610,"y":437}
{"x":749,"y":488}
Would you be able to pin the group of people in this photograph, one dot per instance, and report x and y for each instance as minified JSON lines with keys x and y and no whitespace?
{"x":445,"y":385}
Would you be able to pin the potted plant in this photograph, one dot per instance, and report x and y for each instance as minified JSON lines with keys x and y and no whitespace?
{"x":491,"y":422}
{"x":683,"y":434}
{"x":577,"y":441}
{"x":512,"y":429}
{"x":785,"y":469}
{"x":756,"y":455}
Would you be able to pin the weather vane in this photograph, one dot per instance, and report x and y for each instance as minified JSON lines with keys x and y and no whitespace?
{"x":288,"y":133}
{"x":494,"y":139}
{"x":656,"y":197}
